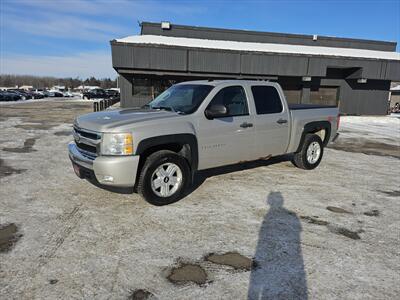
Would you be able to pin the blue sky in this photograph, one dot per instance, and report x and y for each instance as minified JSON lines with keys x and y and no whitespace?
{"x":71,"y":37}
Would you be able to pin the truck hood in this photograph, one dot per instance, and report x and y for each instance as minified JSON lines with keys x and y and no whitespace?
{"x":105,"y":121}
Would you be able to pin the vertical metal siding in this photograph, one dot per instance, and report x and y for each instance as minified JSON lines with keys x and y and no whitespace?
{"x":214,"y":62}
{"x":168,"y":59}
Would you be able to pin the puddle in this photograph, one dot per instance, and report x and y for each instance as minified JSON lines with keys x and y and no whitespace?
{"x":391,"y":193}
{"x":232,"y":259}
{"x":63,"y":133}
{"x":26,"y":148}
{"x":314,"y":220}
{"x":366,"y":147}
{"x":338,"y":210}
{"x":372,"y":213}
{"x":140,"y":295}
{"x":6,"y":170}
{"x":8,"y":236}
{"x":188,"y":273}
{"x":345,"y":232}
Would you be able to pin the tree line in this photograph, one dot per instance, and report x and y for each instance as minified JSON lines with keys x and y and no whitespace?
{"x":48,"y":82}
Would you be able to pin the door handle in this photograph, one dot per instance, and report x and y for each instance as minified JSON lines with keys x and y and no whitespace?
{"x":245,"y":125}
{"x":281,"y":121}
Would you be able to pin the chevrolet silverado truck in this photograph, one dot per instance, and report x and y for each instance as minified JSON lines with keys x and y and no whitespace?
{"x":194,"y":126}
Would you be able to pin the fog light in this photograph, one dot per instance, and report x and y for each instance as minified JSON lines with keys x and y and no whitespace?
{"x":108,"y":178}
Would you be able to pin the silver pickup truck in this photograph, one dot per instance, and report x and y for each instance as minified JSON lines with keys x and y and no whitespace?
{"x":194,"y":126}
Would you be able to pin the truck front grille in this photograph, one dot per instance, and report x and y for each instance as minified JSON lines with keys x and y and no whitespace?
{"x":87,"y":142}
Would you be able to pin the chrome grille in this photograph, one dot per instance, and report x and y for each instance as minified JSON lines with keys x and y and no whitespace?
{"x":88,"y":142}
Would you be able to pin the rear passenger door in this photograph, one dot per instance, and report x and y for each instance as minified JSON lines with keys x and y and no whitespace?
{"x":272,"y":128}
{"x":229,"y":139}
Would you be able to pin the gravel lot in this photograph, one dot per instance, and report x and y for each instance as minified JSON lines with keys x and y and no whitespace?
{"x":331,"y":233}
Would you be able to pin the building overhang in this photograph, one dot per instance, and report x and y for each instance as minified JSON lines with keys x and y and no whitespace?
{"x":244,"y":60}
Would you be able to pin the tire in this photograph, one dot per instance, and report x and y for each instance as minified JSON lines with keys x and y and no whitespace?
{"x":312,"y":159}
{"x":153,"y":185}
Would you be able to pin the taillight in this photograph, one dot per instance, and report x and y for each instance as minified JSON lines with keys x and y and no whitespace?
{"x":338,"y":121}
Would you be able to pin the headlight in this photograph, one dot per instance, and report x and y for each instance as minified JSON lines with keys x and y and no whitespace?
{"x":117,"y":144}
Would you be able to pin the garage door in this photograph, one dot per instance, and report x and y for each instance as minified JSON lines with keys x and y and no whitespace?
{"x":325,"y":95}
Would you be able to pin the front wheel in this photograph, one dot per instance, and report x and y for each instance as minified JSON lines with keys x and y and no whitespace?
{"x":164,"y":178}
{"x":310,"y":154}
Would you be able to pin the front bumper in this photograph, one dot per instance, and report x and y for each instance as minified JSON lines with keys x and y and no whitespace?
{"x":109,"y":170}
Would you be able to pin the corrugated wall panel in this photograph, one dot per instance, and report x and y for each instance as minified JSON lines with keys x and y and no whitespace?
{"x":122,"y":56}
{"x":168,"y":59}
{"x":214,"y":62}
{"x":259,"y":64}
{"x":393,"y":70}
{"x":125,"y":84}
{"x":292,"y":65}
{"x":141,"y":57}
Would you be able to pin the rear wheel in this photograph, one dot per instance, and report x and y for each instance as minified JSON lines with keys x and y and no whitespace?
{"x":310,"y":155}
{"x":164,"y":178}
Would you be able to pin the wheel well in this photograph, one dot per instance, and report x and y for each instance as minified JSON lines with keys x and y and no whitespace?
{"x":181,"y":149}
{"x":322,"y":129}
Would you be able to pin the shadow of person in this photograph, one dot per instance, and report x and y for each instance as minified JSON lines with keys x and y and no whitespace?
{"x":279,"y":271}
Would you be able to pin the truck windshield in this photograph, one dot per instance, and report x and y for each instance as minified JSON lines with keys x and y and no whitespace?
{"x":185,"y":98}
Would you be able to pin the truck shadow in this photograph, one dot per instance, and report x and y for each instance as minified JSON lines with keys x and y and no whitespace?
{"x":279,"y":271}
{"x":201,"y":176}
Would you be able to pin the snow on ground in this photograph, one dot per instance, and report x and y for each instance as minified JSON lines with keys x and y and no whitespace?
{"x":51,"y":99}
{"x":330,"y":233}
{"x":379,"y":128}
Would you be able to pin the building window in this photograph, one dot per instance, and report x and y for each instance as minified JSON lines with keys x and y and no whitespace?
{"x":141,"y":88}
{"x":292,"y":93}
{"x":267,"y":99}
{"x":325,"y":95}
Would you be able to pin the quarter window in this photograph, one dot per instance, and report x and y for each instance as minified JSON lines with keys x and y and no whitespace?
{"x":267,"y":99}
{"x":234,"y":99}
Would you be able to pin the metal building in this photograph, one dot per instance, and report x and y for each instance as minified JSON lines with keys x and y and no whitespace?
{"x":351,"y":73}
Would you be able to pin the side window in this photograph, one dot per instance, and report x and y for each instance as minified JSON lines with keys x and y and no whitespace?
{"x":266,"y":99}
{"x":234,"y":99}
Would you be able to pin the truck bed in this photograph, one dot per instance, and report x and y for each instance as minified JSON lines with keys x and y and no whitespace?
{"x":302,"y":114}
{"x":308,"y":106}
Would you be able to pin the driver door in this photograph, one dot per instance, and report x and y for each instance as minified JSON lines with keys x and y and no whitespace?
{"x":228,"y":139}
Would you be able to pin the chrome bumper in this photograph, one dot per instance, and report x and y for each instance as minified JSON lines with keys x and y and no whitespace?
{"x":109,"y":170}
{"x":78,"y":158}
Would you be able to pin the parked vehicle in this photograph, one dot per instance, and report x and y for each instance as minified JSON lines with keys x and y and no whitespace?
{"x":37,"y":95}
{"x":195,"y":126}
{"x":23,"y":94}
{"x":94,"y":94}
{"x":112,"y":93}
{"x":53,"y":94}
{"x":67,"y":94}
{"x":7,"y":96}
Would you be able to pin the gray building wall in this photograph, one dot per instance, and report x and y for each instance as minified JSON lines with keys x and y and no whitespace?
{"x":187,"y":63}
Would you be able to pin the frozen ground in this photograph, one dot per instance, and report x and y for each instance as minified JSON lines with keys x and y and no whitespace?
{"x":331,"y":233}
{"x":51,"y":99}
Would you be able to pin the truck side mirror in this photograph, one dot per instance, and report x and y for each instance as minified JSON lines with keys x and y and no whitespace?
{"x":216,"y":111}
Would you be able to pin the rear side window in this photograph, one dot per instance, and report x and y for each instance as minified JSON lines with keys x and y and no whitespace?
{"x":267,"y":100}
